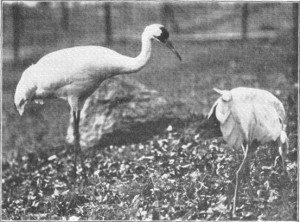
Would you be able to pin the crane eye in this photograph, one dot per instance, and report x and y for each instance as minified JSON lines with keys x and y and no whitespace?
{"x":164,"y":35}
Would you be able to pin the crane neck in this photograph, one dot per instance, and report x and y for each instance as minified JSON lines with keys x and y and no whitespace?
{"x":141,"y":60}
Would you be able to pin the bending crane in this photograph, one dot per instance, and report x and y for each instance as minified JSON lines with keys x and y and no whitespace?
{"x":248,"y":117}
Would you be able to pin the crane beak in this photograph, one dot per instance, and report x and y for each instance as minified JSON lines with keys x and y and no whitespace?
{"x":169,"y":44}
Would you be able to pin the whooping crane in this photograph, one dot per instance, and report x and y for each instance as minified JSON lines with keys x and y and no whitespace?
{"x":248,"y":117}
{"x":73,"y":74}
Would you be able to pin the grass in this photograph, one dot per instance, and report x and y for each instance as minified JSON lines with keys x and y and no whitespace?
{"x":172,"y":176}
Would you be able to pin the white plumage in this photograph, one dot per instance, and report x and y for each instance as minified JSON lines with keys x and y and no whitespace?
{"x":248,"y":114}
{"x":248,"y":117}
{"x":75,"y":73}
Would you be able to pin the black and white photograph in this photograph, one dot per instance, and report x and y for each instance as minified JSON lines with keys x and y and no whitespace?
{"x":149,"y":110}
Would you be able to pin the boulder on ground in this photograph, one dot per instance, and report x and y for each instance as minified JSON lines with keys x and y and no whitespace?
{"x":125,"y":111}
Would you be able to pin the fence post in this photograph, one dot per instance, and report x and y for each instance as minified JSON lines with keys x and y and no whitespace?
{"x":64,"y":20}
{"x":127,"y":16}
{"x":17,"y":28}
{"x":295,"y":42}
{"x":167,"y":16}
{"x":108,"y":29}
{"x":65,"y":23}
{"x":245,"y":15}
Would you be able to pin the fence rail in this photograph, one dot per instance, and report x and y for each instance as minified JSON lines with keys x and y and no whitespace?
{"x":52,"y":24}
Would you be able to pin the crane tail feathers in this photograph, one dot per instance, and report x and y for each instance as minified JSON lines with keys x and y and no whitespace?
{"x":20,"y":101}
{"x":25,"y":89}
{"x":218,"y":90}
{"x":21,"y":107}
{"x":225,"y":94}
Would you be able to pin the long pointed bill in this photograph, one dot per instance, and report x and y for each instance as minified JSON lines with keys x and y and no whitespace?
{"x":169,"y":44}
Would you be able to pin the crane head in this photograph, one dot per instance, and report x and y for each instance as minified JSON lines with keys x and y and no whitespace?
{"x":161,"y":34}
{"x":210,"y":127}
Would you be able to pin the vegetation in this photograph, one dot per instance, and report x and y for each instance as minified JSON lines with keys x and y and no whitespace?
{"x":173,"y":176}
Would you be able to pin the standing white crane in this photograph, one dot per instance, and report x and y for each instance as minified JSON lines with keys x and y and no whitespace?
{"x":73,"y":74}
{"x":248,"y":117}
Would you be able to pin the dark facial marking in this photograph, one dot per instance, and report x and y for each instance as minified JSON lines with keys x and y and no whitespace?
{"x":163,"y":36}
{"x":210,"y":128}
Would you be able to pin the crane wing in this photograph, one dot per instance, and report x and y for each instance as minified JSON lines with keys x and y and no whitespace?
{"x":75,"y":71}
{"x":222,"y":105}
{"x":76,"y":64}
{"x":230,"y":127}
{"x":258,"y":112}
{"x":258,"y":121}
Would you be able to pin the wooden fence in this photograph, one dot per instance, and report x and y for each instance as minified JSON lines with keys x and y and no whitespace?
{"x":66,"y":24}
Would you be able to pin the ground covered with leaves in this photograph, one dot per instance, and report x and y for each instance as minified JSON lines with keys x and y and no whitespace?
{"x":174,"y":176}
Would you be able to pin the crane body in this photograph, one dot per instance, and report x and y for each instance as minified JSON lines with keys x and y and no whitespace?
{"x":73,"y":74}
{"x":247,"y":114}
{"x":246,"y":118}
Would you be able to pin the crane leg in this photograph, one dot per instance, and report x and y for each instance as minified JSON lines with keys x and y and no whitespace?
{"x":245,"y":160}
{"x":283,"y":146}
{"x":77,"y":148}
{"x":279,"y":147}
{"x":76,"y":143}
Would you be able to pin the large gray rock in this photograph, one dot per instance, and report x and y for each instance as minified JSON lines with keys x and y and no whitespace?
{"x":123,"y":111}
